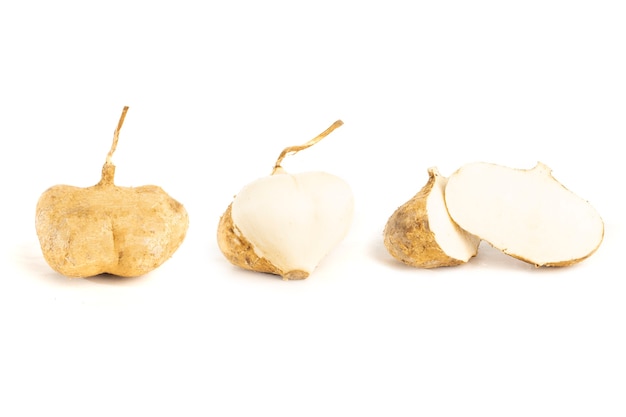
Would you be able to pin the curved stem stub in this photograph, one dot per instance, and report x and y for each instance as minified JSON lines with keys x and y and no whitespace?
{"x":108,"y":170}
{"x":291,"y":150}
{"x":116,"y":135}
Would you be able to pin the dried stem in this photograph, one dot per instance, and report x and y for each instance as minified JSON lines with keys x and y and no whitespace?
{"x":116,"y":135}
{"x":295,"y":149}
{"x":108,"y":170}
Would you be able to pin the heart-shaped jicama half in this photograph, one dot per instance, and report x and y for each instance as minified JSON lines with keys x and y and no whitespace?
{"x":285,"y":224}
{"x":525,"y":213}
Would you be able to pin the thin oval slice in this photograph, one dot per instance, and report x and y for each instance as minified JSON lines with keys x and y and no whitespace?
{"x":420,"y":233}
{"x":525,"y":213}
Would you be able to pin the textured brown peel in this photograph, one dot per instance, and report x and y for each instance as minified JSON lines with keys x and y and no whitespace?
{"x":108,"y":229}
{"x":408,"y":237}
{"x":240,"y":252}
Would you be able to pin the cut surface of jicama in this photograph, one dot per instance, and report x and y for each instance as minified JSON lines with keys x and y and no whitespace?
{"x":289,"y":222}
{"x":525,"y":213}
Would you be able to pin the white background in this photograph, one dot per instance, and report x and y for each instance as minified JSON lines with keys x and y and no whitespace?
{"x":216,"y":90}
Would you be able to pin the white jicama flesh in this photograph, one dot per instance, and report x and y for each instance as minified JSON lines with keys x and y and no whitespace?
{"x":420,"y":233}
{"x":286,"y":224}
{"x":525,"y":213}
{"x":294,"y":220}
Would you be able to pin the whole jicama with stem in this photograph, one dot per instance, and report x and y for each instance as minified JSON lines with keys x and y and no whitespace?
{"x":285,"y":224}
{"x":124,"y":231}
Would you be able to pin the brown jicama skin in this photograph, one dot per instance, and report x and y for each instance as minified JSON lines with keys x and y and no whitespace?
{"x":238,"y":250}
{"x":124,"y":231}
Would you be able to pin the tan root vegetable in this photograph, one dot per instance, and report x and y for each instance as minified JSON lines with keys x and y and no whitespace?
{"x":525,"y":213}
{"x":109,"y":229}
{"x":420,"y":233}
{"x":285,"y":224}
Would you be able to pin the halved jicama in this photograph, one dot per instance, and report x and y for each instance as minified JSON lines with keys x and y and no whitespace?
{"x":525,"y":213}
{"x":420,"y":233}
{"x":285,"y":224}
